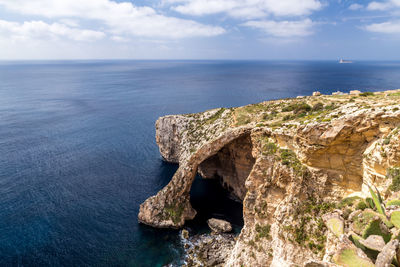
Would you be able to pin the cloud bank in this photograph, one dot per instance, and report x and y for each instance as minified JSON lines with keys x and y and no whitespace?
{"x":247,"y":9}
{"x":387,"y":27}
{"x":118,"y":18}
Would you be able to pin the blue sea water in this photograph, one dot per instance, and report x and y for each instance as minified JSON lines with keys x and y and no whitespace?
{"x":78,"y":155}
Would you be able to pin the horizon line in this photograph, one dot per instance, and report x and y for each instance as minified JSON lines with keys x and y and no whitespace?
{"x":178,"y":59}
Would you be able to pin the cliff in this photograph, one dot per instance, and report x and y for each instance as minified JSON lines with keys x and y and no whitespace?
{"x":298,"y":165}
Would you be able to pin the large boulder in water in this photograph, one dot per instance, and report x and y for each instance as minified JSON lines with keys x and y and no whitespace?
{"x":218,"y":226}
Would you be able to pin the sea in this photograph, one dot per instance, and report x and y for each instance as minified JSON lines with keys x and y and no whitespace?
{"x":78,"y":153}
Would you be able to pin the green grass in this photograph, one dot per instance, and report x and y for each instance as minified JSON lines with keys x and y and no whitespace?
{"x":395,"y":94}
{"x":215,"y":116}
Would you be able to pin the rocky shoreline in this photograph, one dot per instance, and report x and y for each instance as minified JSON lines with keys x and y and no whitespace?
{"x":207,"y":249}
{"x":319,"y":178}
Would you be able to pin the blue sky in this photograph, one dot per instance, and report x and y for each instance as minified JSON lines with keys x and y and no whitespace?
{"x":199,"y":29}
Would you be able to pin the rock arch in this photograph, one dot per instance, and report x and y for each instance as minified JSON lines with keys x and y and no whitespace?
{"x":171,"y":206}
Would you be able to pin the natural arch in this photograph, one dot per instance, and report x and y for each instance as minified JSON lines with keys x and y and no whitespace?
{"x":232,"y":165}
{"x":171,"y":206}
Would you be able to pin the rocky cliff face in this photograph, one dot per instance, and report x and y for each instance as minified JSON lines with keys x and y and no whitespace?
{"x":290,"y":161}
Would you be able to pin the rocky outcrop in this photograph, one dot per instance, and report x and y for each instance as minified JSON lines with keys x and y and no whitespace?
{"x":207,"y":250}
{"x":290,"y":162}
{"x":219,"y":226}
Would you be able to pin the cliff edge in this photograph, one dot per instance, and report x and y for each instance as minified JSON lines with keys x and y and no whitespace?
{"x":305,"y":169}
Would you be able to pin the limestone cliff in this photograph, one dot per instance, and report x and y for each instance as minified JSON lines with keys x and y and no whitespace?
{"x":291,"y":162}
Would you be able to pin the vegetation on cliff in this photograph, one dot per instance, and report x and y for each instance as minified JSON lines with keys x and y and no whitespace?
{"x":324,"y":184}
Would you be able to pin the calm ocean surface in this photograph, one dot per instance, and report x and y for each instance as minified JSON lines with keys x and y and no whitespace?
{"x":78,"y":155}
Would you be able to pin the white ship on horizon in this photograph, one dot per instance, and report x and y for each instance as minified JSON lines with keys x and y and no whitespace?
{"x":343,"y":61}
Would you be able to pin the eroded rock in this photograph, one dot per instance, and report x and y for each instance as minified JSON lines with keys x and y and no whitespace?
{"x":287,"y":162}
{"x":219,"y":226}
{"x":208,"y":250}
{"x":385,"y":258}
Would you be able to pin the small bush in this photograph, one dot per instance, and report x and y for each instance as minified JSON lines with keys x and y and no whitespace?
{"x":287,"y":117}
{"x":297,"y":108}
{"x":394,"y":174}
{"x":366,"y":94}
{"x":263,"y":231}
{"x":270,"y":148}
{"x":330,"y":107}
{"x":349,"y":201}
{"x":318,"y":106}
{"x":302,"y":108}
{"x":270,"y":116}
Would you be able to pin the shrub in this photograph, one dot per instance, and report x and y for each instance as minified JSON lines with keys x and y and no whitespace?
{"x":394,"y":174}
{"x":287,"y":117}
{"x":318,"y":106}
{"x":263,"y":231}
{"x":330,"y":107}
{"x":301,"y":107}
{"x":270,"y":148}
{"x":289,"y":158}
{"x":366,"y":94}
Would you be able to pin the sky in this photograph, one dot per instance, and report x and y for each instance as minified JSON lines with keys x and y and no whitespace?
{"x":200,"y":29}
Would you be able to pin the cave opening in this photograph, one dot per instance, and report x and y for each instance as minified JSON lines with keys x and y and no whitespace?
{"x":219,"y":187}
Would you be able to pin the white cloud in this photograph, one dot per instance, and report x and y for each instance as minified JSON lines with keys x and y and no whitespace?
{"x":70,"y":22}
{"x":247,"y":9}
{"x":285,"y":29}
{"x":119,"y":39}
{"x":385,"y":27}
{"x":41,"y":30}
{"x":385,"y":5}
{"x":119,"y":17}
{"x":355,"y":6}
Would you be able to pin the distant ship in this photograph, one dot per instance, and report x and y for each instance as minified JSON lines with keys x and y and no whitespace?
{"x":342,"y":61}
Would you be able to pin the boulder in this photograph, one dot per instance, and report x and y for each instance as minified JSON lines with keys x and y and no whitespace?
{"x":385,"y":258}
{"x":219,"y":226}
{"x":185,"y":234}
